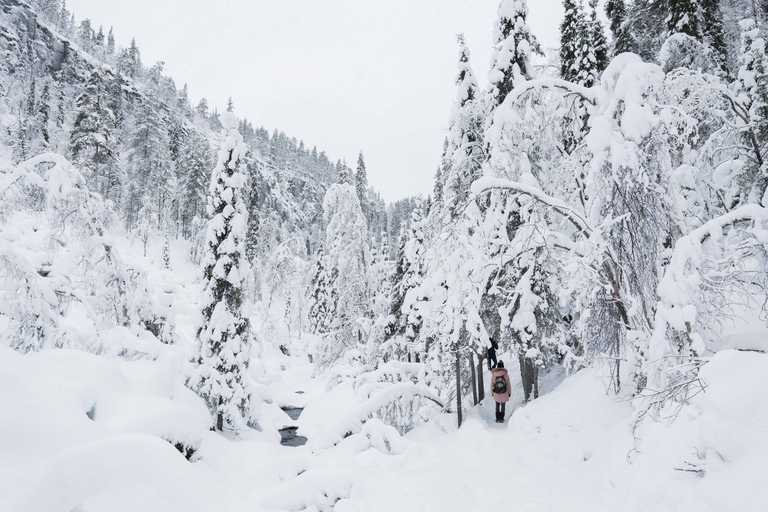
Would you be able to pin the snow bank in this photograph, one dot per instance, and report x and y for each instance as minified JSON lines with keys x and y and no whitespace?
{"x":115,"y":467}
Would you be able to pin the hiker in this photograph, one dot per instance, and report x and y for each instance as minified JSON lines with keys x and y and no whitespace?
{"x":501,"y":388}
{"x":492,"y":354}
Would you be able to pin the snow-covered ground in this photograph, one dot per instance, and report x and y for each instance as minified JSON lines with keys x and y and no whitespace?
{"x":96,"y":434}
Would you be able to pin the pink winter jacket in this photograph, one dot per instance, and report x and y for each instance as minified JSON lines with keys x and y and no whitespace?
{"x":505,"y":397}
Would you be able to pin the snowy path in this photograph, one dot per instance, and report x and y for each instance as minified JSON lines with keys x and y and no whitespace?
{"x":570,"y":450}
{"x":484,"y":466}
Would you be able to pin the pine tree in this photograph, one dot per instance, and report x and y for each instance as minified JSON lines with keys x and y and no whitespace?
{"x":616,"y":10}
{"x":513,"y":44}
{"x":223,"y":338}
{"x":230,"y":105}
{"x":90,"y":141}
{"x":361,"y":185}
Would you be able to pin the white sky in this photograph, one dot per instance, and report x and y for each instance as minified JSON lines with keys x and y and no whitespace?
{"x":344,"y":75}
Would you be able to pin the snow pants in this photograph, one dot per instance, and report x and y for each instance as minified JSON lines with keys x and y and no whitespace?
{"x":501,"y":408}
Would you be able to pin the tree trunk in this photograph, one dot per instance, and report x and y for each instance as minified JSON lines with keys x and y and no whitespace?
{"x":525,"y":377}
{"x":535,"y":371}
{"x":480,"y":383}
{"x":474,"y":380}
{"x":458,"y":386}
{"x":220,"y":417}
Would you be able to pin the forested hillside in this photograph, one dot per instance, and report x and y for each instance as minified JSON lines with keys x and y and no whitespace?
{"x":177,"y":285}
{"x":148,"y":152}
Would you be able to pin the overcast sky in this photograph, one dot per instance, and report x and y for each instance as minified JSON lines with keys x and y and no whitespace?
{"x":344,"y":75}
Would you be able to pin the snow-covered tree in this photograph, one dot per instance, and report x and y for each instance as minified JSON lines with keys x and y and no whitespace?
{"x":572,"y":42}
{"x":684,"y":17}
{"x":513,"y":45}
{"x":110,"y":42}
{"x":193,"y":168}
{"x":323,"y":299}
{"x":220,"y":376}
{"x":465,"y":136}
{"x":752,"y":80}
{"x":347,"y":257}
{"x":361,"y":185}
{"x":90,"y":141}
{"x":616,"y":10}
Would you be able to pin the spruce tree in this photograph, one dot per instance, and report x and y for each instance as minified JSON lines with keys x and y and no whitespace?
{"x":166,"y":253}
{"x":90,"y":141}
{"x":598,"y":44}
{"x":513,"y":44}
{"x":466,"y":136}
{"x":752,"y":83}
{"x":193,"y":167}
{"x":62,"y":20}
{"x":202,"y":108}
{"x":254,"y":217}
{"x":224,"y":344}
{"x":714,"y":32}
{"x":396,"y":320}
{"x":437,"y":188}
{"x":616,"y":10}
{"x":44,"y":112}
{"x":21,"y":141}
{"x":110,"y":42}
{"x":99,"y":37}
{"x":361,"y":185}
{"x":149,"y":156}
{"x":572,"y":44}
{"x":684,"y":17}
{"x":322,"y":299}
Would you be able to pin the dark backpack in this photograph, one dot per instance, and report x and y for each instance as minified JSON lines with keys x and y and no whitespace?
{"x":500,"y":385}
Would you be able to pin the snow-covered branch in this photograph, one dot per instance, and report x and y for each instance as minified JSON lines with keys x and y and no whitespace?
{"x":486,"y":184}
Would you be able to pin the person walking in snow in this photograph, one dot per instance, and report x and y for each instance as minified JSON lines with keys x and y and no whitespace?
{"x":492,"y":354}
{"x":501,"y":389}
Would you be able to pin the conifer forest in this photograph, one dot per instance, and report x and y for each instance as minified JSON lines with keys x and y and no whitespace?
{"x":198,"y":313}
